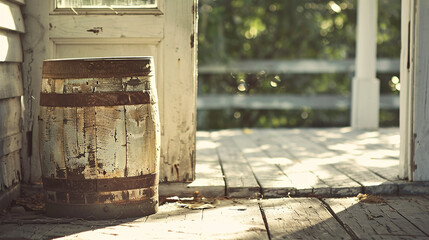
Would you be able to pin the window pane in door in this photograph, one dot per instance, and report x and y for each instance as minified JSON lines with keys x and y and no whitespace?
{"x":106,"y":3}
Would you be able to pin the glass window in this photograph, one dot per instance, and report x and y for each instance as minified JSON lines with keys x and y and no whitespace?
{"x":105,"y":3}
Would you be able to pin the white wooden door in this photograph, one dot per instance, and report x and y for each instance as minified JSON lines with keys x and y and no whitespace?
{"x":164,"y":29}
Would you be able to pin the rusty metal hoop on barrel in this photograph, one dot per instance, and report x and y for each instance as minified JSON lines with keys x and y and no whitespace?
{"x":99,"y":137}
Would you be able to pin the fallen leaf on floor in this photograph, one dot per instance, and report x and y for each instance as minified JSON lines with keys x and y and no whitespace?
{"x":197,"y":202}
{"x":366,"y":198}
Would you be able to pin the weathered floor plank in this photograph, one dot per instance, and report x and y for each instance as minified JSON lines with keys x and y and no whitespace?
{"x":229,"y":220}
{"x":27,"y":231}
{"x":209,"y":177}
{"x":239,"y":178}
{"x":68,"y":231}
{"x":286,"y":218}
{"x":415,"y":209}
{"x":413,"y":188}
{"x":273,"y":181}
{"x":373,"y":221}
{"x":303,"y":181}
{"x":296,"y":162}
{"x":209,"y":180}
{"x":311,"y":161}
{"x":374,"y":150}
{"x":372,"y":183}
{"x":316,"y":160}
{"x":301,"y":218}
{"x":171,"y":222}
{"x":351,"y":148}
{"x":234,"y":219}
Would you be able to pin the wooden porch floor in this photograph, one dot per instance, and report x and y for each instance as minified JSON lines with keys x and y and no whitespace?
{"x":329,"y":162}
{"x":252,"y":166}
{"x":279,"y":218}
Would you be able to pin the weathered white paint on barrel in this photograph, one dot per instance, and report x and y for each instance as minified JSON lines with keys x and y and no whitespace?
{"x":98,"y":130}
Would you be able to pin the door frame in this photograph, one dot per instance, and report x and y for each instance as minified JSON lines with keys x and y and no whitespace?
{"x":414,"y":120}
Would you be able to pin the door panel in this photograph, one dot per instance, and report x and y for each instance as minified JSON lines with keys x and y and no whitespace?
{"x":108,"y":26}
{"x":104,"y":50}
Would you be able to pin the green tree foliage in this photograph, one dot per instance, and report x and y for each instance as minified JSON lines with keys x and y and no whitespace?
{"x":286,"y":30}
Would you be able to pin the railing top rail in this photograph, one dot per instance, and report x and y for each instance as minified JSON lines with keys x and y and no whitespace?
{"x":285,"y":101}
{"x":301,"y":66}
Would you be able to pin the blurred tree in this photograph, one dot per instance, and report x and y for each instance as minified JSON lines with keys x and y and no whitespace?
{"x":292,"y":29}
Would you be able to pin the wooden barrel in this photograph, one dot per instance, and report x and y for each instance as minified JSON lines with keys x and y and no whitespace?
{"x":99,"y":137}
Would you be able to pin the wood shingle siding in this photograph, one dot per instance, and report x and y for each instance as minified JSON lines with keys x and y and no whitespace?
{"x":11,"y":91}
{"x":11,"y":46}
{"x":19,"y":2}
{"x":10,"y":80}
{"x":11,"y":16}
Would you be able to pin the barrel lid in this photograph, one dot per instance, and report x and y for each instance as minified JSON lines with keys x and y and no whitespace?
{"x":101,"y":67}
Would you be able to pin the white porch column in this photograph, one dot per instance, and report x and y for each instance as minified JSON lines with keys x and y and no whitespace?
{"x":365,"y":85}
{"x":407,"y":90}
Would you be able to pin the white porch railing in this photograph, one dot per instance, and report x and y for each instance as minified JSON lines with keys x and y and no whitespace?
{"x":285,"y":102}
{"x":290,"y":101}
{"x":303,"y":66}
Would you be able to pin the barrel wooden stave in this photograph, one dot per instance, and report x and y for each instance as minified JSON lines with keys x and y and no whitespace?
{"x":100,"y":142}
{"x":52,"y":137}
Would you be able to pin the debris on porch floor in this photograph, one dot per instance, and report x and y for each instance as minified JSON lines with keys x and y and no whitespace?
{"x":396,"y":217}
{"x":328,"y":162}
